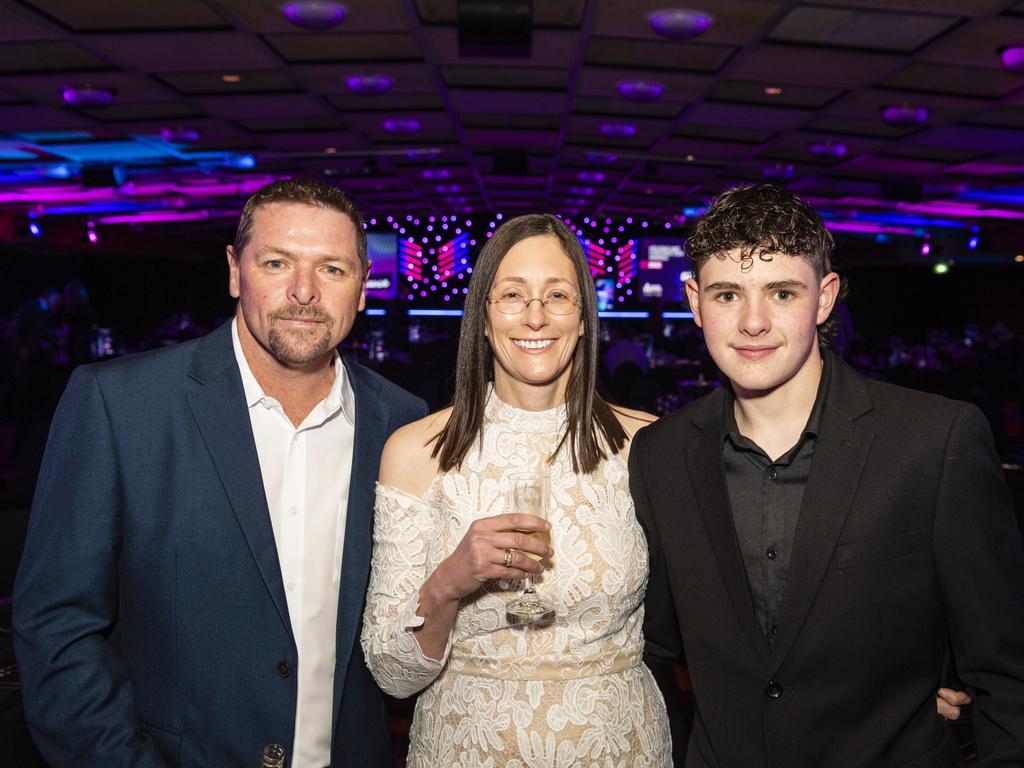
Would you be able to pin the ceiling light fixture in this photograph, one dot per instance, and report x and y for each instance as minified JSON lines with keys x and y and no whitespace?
{"x":904,"y":114}
{"x":231,"y":78}
{"x":829,"y":148}
{"x":778,"y":171}
{"x":601,"y":157}
{"x":314,"y":14}
{"x":679,"y":23}
{"x":401,"y":125}
{"x":179,"y":134}
{"x":772,"y":90}
{"x":618,"y":130}
{"x":1012,"y":57}
{"x":87,"y":96}
{"x":641,"y":90}
{"x":369,"y":85}
{"x":593,"y":177}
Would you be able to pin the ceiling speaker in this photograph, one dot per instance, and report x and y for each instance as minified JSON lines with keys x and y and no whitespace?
{"x":495,"y":28}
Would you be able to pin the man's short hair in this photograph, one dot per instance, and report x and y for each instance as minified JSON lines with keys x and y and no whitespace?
{"x":304,"y":192}
{"x":762,"y":220}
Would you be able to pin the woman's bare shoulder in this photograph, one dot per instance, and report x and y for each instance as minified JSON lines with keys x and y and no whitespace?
{"x":406,"y":463}
{"x":632,"y":419}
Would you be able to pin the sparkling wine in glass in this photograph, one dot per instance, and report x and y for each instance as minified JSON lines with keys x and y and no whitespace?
{"x":528,"y":493}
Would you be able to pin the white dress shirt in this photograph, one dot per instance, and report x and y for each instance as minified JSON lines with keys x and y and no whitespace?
{"x":306,"y":479}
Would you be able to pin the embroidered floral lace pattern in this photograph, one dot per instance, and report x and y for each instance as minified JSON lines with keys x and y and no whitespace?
{"x":571,"y":694}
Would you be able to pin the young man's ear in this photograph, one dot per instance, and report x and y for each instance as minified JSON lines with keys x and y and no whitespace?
{"x":233,"y":288}
{"x":693,"y":297}
{"x":828,"y":292}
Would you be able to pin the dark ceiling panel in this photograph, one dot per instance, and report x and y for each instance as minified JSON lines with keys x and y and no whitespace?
{"x":505,"y":78}
{"x":758,"y":93}
{"x":958,"y":81}
{"x":366,"y":46}
{"x":252,"y":81}
{"x":859,"y":29}
{"x":48,"y":56}
{"x":658,"y":54}
{"x":109,"y":15}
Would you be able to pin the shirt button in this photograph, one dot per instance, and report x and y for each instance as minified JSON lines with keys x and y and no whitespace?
{"x":772,"y":553}
{"x":291,"y":586}
{"x":775,"y":631}
{"x":284,"y":669}
{"x":773,"y":474}
{"x":293,"y":510}
{"x":773,"y":690}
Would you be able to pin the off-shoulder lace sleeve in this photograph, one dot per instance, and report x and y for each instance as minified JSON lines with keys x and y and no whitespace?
{"x":405,"y":529}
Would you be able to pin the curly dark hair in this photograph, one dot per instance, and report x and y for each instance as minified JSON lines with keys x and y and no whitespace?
{"x":761,"y":221}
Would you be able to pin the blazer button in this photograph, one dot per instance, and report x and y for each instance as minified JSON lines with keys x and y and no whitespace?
{"x":284,"y":669}
{"x":773,"y":691}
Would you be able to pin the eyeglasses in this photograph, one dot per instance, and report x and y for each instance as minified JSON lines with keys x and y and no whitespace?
{"x":513,"y":302}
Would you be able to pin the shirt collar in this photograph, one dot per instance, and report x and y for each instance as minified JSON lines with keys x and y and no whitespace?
{"x":813,"y":426}
{"x":340,"y":397}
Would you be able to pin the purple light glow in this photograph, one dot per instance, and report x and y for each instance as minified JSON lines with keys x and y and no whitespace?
{"x":1012,"y":57}
{"x":401,"y":125}
{"x":829,"y":149}
{"x":434,"y":174}
{"x":592,"y":177}
{"x":314,"y":14}
{"x":904,"y":114}
{"x":641,"y":90}
{"x":87,"y":96}
{"x":601,"y":157}
{"x":679,"y":23}
{"x":618,"y":130}
{"x":369,"y":85}
{"x":179,"y":134}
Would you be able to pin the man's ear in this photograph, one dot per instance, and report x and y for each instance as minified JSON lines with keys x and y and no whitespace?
{"x":233,"y":287}
{"x":693,"y":297}
{"x":828,"y":292}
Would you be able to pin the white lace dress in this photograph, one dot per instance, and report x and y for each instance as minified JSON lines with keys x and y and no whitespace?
{"x":571,"y":694}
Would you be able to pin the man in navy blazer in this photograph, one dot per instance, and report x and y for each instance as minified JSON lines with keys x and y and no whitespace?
{"x":153,"y":626}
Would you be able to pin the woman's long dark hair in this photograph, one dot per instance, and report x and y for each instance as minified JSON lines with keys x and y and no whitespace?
{"x":591,"y":423}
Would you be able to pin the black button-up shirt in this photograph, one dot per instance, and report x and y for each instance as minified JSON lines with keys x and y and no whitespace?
{"x":765,"y":496}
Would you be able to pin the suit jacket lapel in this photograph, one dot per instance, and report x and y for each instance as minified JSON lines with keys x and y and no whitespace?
{"x":219,"y":408}
{"x":839,"y":457}
{"x":370,"y":436}
{"x":707,"y":478}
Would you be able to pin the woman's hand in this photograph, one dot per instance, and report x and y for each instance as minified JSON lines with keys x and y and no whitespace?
{"x":493,"y":548}
{"x":948,"y":702}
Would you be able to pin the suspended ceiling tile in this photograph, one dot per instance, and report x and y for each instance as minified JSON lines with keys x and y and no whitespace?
{"x":506,"y":78}
{"x":206,"y":51}
{"x":550,"y":48}
{"x":758,"y":93}
{"x":959,"y":136}
{"x":976,"y":44}
{"x":484,"y":137}
{"x":859,"y":126}
{"x":894,"y":166}
{"x":391,"y":102}
{"x":550,"y":13}
{"x":27,"y":117}
{"x":768,"y":118}
{"x":658,"y":54}
{"x":622,"y":108}
{"x":702,"y":149}
{"x":19,"y":23}
{"x":860,"y":29}
{"x":135,"y":15}
{"x":365,"y":46}
{"x":161,"y":110}
{"x":519,"y":102}
{"x":281,"y":124}
{"x":784,"y":65}
{"x":946,"y":7}
{"x":733,"y":23}
{"x":48,"y":56}
{"x":954,"y":80}
{"x":604,"y":82}
{"x":275,"y":105}
{"x":741,"y":133}
{"x":1001,"y":117}
{"x":251,"y":81}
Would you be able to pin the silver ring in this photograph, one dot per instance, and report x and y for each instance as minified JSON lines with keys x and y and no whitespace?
{"x":508,"y":558}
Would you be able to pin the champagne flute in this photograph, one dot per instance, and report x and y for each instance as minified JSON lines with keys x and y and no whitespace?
{"x":528,"y":493}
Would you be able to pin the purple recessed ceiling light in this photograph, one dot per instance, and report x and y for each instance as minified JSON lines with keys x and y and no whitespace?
{"x":601,"y":157}
{"x":425,"y":153}
{"x":1012,"y":57}
{"x":87,"y":96}
{"x":179,"y":134}
{"x":679,"y":23}
{"x":435,"y":173}
{"x":778,"y":171}
{"x":401,"y":125}
{"x":618,"y":130}
{"x":582,"y":190}
{"x":829,"y":148}
{"x":369,"y":85}
{"x":314,"y":14}
{"x":641,"y":90}
{"x":590,"y":176}
{"x":904,"y":114}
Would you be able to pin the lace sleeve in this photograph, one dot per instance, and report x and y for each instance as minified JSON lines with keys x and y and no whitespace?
{"x":404,"y":531}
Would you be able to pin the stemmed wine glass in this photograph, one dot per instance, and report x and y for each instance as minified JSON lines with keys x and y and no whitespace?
{"x":528,"y":493}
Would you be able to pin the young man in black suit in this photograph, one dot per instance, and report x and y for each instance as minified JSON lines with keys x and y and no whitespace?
{"x":820,"y":543}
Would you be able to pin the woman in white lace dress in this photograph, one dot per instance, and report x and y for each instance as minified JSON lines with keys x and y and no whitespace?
{"x":449,"y":554}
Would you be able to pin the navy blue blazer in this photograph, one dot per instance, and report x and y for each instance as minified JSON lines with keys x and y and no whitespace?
{"x":151,"y":626}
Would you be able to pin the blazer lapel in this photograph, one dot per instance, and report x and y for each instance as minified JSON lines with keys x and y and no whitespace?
{"x":707,"y":478}
{"x":370,"y":436}
{"x":839,"y":458}
{"x":218,"y":406}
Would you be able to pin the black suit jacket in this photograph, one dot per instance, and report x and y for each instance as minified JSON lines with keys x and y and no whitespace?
{"x":150,"y":617}
{"x":906,"y":546}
